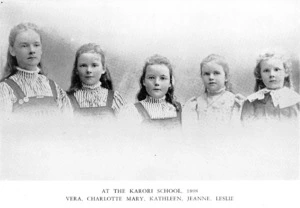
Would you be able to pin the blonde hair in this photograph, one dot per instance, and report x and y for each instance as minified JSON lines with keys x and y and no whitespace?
{"x":265,"y":57}
{"x":220,"y":60}
{"x":11,"y":63}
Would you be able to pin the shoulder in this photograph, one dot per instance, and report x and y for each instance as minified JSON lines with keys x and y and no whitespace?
{"x":43,"y":78}
{"x":130,"y":115}
{"x":237,"y":99}
{"x":259,"y":95}
{"x":129,"y":110}
{"x":178,"y":104}
{"x":138,"y":105}
{"x":4,"y":86}
{"x":191,"y":103}
{"x":288,"y":98}
{"x":291,"y":94}
{"x":248,"y":107}
{"x":117,"y":96}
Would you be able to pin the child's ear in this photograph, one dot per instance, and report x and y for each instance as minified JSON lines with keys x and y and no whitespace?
{"x":12,"y":51}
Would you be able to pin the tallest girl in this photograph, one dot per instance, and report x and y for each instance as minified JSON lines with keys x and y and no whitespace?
{"x":25,"y":90}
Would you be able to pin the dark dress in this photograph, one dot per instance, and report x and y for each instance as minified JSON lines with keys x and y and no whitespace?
{"x":286,"y":109}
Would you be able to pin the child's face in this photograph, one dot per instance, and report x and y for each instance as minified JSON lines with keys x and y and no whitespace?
{"x":90,"y":68}
{"x":213,"y":77}
{"x":157,"y":80}
{"x":273,"y":73}
{"x":27,"y":49}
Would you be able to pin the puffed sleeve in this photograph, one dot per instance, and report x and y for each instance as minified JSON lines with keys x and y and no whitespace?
{"x":237,"y":109}
{"x":63,"y":101}
{"x":247,"y":112}
{"x":129,"y":115}
{"x":189,"y":113}
{"x":7,"y":98}
{"x":118,"y":102}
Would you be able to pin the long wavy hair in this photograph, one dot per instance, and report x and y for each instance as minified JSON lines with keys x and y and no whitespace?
{"x":259,"y":84}
{"x":220,"y":60}
{"x":11,"y":62}
{"x":158,"y":60}
{"x":105,"y":78}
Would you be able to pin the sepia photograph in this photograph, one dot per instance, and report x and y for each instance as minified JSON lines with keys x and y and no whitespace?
{"x":149,"y":103}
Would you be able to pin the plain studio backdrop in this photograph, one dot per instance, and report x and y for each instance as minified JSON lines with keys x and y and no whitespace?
{"x":129,"y":32}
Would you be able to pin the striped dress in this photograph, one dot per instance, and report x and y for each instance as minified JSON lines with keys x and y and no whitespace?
{"x":90,"y":96}
{"x":32,"y":84}
{"x":156,"y":108}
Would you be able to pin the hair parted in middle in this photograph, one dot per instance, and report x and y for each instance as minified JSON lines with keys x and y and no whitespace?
{"x":158,"y":60}
{"x":11,"y":63}
{"x":105,"y":78}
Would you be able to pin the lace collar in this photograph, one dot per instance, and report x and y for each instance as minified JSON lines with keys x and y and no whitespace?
{"x":283,"y":97}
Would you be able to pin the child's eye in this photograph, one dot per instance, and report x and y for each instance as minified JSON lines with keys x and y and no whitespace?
{"x":24,"y":45}
{"x":151,"y":77}
{"x":37,"y":44}
{"x":266,"y":70}
{"x":206,"y":74}
{"x":95,"y":65}
{"x":277,"y":69}
{"x":82,"y":65}
{"x":216,"y":73}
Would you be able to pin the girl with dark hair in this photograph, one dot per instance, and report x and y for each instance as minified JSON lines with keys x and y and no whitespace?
{"x":25,"y":89}
{"x":91,"y":91}
{"x":156,"y":104}
{"x":274,"y":98}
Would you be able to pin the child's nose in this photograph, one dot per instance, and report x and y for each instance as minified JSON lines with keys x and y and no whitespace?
{"x":88,"y":69}
{"x":272,"y":73}
{"x":156,"y":82}
{"x":211,"y":76}
{"x":31,"y":49}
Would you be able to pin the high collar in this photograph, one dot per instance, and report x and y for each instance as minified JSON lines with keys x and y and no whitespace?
{"x":28,"y":74}
{"x":219,"y":92}
{"x":91,"y":87}
{"x":36,"y":71}
{"x":150,"y":99}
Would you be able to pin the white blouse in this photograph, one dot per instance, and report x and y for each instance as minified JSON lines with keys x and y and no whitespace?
{"x":211,"y":110}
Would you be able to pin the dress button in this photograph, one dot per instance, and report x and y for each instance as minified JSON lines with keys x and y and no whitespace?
{"x":26,"y":99}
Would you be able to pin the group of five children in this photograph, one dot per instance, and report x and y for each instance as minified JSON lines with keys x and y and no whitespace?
{"x":26,"y":90}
